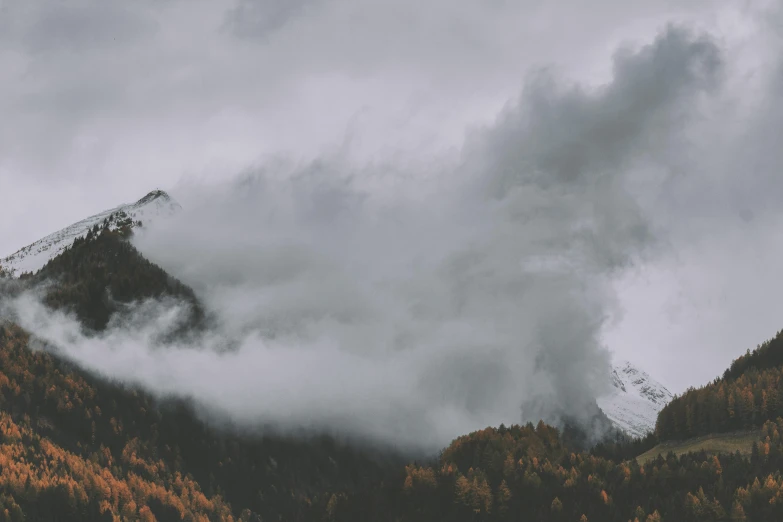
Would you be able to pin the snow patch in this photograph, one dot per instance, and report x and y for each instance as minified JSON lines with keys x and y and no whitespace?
{"x":155,"y":205}
{"x":635,"y":399}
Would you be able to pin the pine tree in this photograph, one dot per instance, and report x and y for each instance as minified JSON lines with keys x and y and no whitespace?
{"x":738,"y":512}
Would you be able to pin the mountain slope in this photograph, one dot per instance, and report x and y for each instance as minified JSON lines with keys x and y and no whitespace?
{"x":137,"y":457}
{"x":749,"y":393}
{"x":635,"y":399}
{"x":75,"y":447}
{"x":97,"y":287}
{"x":155,"y":205}
{"x":101,"y":273}
{"x":513,"y":473}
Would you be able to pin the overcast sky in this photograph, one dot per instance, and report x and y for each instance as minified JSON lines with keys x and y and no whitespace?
{"x":102,"y":101}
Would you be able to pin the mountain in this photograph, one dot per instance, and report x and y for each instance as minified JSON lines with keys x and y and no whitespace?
{"x":635,"y":399}
{"x":76,"y":447}
{"x":632,"y":406}
{"x":155,"y":205}
{"x":100,"y":274}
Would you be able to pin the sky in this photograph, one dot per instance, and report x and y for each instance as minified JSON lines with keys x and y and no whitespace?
{"x":664,"y":138}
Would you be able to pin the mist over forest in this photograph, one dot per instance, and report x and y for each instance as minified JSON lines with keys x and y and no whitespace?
{"x":391,"y":257}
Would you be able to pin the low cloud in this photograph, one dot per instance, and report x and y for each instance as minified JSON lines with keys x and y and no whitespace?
{"x":435,"y":304}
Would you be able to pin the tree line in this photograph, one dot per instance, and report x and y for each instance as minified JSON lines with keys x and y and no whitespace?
{"x":526,"y":473}
{"x":749,"y":394}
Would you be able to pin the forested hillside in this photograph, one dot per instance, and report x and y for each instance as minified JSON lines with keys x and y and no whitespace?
{"x":101,"y":272}
{"x":749,"y":394}
{"x":63,"y":428}
{"x":531,"y":474}
{"x":76,"y":447}
{"x":525,"y":473}
{"x":767,"y":355}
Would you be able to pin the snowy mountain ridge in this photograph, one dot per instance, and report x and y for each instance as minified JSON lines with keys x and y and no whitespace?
{"x":155,"y":205}
{"x":635,"y":399}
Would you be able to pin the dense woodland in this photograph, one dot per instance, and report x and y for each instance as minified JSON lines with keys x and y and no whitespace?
{"x":125,"y":436}
{"x":101,"y":273}
{"x":76,"y":447}
{"x":525,"y":473}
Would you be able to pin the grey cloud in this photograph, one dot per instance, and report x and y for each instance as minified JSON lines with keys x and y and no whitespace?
{"x":710,"y":294}
{"x":572,"y":136}
{"x":361,"y":312}
{"x":74,"y":25}
{"x":123,"y":95}
{"x":260,"y":19}
{"x":490,"y":260}
{"x":566,"y":157}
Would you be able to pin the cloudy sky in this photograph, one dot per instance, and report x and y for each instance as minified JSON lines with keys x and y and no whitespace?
{"x":103,"y":101}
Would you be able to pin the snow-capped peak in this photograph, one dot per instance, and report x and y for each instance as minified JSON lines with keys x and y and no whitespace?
{"x":155,"y":205}
{"x":635,"y":399}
